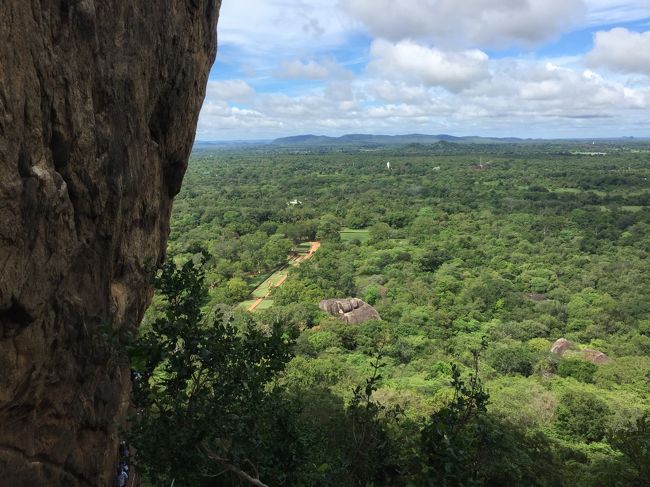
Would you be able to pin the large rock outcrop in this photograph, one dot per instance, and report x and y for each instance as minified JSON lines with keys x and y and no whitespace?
{"x":595,"y":356}
{"x":350,"y":310}
{"x":563,"y":347}
{"x":99,"y":102}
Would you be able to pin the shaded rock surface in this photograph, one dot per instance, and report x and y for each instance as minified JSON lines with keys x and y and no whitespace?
{"x":594,"y":356}
{"x":350,"y":310}
{"x":562,"y":345}
{"x":98,"y":107}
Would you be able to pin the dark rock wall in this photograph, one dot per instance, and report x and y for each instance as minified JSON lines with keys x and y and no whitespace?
{"x":99,"y":102}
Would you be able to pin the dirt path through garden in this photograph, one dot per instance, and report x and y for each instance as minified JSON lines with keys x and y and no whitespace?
{"x":314,"y":246}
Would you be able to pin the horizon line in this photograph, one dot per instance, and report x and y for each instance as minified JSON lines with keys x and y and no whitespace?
{"x":270,"y":139}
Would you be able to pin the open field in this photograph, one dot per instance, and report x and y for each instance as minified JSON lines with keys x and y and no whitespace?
{"x":265,"y":304}
{"x":303,"y":248}
{"x":265,"y":289}
{"x":349,"y":234}
{"x":246,"y":304}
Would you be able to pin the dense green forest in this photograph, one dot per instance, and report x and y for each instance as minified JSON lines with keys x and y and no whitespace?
{"x":478,"y":258}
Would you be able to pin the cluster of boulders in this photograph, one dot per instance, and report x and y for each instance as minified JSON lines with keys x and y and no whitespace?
{"x":350,"y":310}
{"x":562,"y":345}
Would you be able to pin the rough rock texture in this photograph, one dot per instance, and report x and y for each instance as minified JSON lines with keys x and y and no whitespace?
{"x":594,"y":356}
{"x":99,"y":101}
{"x":561,"y":345}
{"x":350,"y":310}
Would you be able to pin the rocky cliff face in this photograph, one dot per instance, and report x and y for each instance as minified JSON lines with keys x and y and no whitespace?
{"x":99,"y":101}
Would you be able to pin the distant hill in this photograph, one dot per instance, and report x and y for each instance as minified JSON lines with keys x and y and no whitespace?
{"x":382,"y":140}
{"x":372,"y":141}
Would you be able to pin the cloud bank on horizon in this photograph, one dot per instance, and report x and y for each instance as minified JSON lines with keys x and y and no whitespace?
{"x":527,"y":68}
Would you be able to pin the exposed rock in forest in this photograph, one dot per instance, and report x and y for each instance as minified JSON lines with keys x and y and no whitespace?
{"x":594,"y":356}
{"x":350,"y":310}
{"x":538,"y":297}
{"x":561,"y":345}
{"x":98,"y":107}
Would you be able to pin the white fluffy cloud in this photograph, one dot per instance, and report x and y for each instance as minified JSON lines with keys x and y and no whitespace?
{"x":397,"y":66}
{"x":262,"y":27}
{"x":406,"y":60}
{"x":477,"y":22}
{"x":396,"y":92}
{"x":622,"y":50}
{"x":572,"y":93}
{"x":218,"y":117}
{"x":234,"y":90}
{"x":296,"y":69}
{"x":311,"y":70}
{"x":542,"y":96}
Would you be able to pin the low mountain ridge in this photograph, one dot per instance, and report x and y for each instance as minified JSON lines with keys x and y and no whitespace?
{"x":382,"y":140}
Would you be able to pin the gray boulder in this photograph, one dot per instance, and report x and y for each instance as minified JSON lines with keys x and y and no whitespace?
{"x":350,"y":310}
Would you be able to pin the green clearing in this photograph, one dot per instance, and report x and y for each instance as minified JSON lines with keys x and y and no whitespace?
{"x":264,"y":288}
{"x":266,"y":304}
{"x":349,"y":234}
{"x":303,"y":247}
{"x":264,"y":283}
{"x":260,"y":279}
{"x":246,"y":304}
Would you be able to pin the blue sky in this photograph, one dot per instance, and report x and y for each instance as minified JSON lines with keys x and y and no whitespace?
{"x":527,"y":68}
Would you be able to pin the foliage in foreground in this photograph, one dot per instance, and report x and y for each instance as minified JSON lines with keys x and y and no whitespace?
{"x":211,"y":412}
{"x":207,"y":386}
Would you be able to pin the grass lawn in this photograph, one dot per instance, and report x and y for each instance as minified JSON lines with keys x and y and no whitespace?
{"x":265,"y":283}
{"x":348,"y":234}
{"x":263,"y":289}
{"x":246,"y":304}
{"x":303,"y":247}
{"x":266,"y":304}
{"x":258,"y":280}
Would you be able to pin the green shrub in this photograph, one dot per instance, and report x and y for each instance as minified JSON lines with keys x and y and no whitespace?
{"x":323,"y":340}
{"x":578,"y":369}
{"x":582,"y":416}
{"x":516,"y":359}
{"x":311,"y":342}
{"x":624,"y":370}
